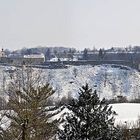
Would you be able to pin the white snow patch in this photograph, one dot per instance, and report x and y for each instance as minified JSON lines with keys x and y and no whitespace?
{"x":128,"y":113}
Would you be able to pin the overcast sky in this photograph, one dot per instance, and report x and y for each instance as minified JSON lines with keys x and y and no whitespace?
{"x":70,"y":23}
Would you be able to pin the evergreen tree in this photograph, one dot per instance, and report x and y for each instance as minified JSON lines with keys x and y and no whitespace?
{"x":28,"y":110}
{"x":85,"y":54}
{"x":101,"y":55}
{"x":48,"y":55}
{"x":91,"y":119}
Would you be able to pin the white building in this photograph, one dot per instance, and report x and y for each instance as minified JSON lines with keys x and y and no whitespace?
{"x":41,"y":55}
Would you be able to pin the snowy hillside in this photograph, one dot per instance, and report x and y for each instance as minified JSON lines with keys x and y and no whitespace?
{"x":108,"y":80}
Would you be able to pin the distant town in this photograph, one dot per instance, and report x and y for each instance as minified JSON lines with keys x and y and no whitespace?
{"x":59,"y":57}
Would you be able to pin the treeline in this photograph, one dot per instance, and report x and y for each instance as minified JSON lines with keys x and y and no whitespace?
{"x":85,"y":54}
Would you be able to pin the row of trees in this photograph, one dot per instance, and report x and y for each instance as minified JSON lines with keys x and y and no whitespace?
{"x":28,"y":116}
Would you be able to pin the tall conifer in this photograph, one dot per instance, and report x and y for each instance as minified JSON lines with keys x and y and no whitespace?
{"x":91,"y":119}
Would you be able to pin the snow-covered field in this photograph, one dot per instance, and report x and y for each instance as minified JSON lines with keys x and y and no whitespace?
{"x":128,"y":113}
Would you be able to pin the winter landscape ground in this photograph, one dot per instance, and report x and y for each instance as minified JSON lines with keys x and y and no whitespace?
{"x":110,"y":81}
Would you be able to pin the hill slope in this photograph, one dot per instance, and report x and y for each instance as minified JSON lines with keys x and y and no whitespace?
{"x":108,"y":80}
